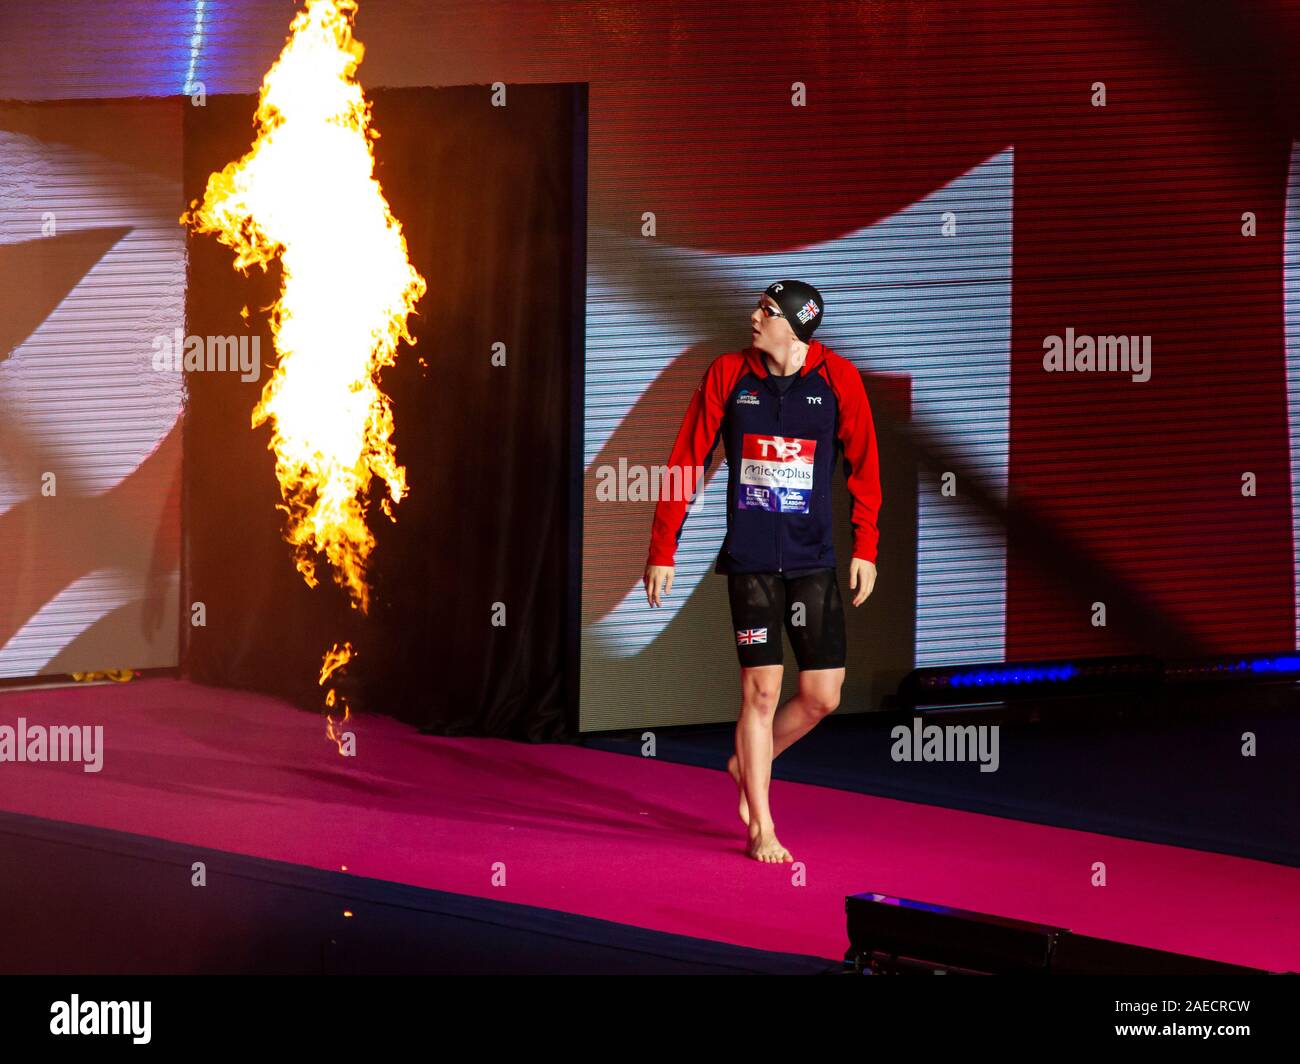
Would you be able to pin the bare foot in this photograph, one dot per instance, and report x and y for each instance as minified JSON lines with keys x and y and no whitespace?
{"x":733,"y":767}
{"x":763,"y":846}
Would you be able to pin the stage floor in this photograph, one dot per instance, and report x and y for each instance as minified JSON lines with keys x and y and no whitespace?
{"x":636,"y":841}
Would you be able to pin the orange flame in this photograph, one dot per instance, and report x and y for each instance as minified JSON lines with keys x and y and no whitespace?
{"x":305,"y":193}
{"x":335,"y":658}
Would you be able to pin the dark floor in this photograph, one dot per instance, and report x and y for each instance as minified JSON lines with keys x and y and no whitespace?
{"x":81,"y":900}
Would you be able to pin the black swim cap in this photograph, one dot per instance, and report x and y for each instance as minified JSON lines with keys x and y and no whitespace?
{"x":801,"y":303}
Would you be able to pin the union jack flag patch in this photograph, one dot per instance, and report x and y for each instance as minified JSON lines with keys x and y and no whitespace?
{"x":807,"y":312}
{"x":745,"y":636}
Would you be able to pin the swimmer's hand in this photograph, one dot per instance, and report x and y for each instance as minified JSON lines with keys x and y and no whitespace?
{"x":862,"y":576}
{"x":658,"y":582}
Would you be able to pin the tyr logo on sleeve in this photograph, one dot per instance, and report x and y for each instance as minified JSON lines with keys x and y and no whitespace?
{"x":776,"y":473}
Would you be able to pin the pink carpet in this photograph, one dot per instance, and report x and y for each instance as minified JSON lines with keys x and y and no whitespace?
{"x":611,"y":836}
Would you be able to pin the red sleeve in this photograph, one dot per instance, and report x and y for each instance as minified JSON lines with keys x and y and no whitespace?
{"x":857,"y":433}
{"x":691,"y":452}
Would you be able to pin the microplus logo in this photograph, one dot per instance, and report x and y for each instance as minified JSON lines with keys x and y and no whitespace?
{"x":208,"y":353}
{"x":1098,"y":354}
{"x":102,"y":1017}
{"x":78,"y":742}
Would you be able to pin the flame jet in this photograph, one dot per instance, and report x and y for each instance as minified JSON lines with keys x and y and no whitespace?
{"x":306,"y":193}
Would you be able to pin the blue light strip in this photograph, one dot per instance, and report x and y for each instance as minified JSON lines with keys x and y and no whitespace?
{"x":1286,"y":663}
{"x":1014,"y":675}
{"x":1281,"y":664}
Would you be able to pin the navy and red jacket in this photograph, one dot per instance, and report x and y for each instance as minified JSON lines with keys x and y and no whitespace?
{"x":781,"y":451}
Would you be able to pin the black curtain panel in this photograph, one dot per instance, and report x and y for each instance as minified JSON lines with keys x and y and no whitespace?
{"x":491,"y":202}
